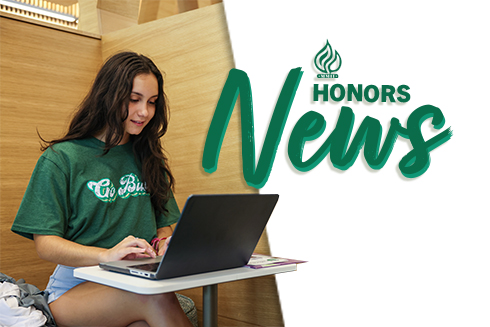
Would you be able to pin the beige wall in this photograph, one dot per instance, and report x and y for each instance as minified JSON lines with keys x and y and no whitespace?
{"x":194,"y":52}
{"x":45,"y":73}
{"x":106,"y":16}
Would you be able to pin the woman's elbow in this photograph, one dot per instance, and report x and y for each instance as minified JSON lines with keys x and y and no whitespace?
{"x":42,"y":246}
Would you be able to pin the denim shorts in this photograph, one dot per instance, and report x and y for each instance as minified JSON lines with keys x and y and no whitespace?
{"x":61,"y":281}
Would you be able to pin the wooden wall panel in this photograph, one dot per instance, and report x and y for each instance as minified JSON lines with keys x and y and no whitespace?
{"x":125,"y":8}
{"x":186,"y":5}
{"x":204,"y":3}
{"x":89,"y":16}
{"x":149,"y":11}
{"x":45,"y":73}
{"x":193,"y":50}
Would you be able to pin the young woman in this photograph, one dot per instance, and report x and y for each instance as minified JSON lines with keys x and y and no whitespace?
{"x":103,"y":192}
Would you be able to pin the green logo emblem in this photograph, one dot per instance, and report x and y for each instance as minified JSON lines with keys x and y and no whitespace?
{"x":328,"y":62}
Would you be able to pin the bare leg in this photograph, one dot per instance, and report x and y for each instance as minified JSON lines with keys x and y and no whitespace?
{"x":90,"y":304}
{"x":139,"y":324}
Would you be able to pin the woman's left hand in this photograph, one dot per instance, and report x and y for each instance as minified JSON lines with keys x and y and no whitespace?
{"x":162,"y":247}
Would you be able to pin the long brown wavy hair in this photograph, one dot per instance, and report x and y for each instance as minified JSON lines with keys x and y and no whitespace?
{"x":102,"y":110}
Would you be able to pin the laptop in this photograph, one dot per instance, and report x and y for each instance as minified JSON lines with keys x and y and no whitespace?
{"x":214,"y":232}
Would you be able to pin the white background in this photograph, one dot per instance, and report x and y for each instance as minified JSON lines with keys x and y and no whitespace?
{"x":382,"y":250}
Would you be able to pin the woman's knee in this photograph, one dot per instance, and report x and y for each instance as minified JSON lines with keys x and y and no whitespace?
{"x":139,"y":324}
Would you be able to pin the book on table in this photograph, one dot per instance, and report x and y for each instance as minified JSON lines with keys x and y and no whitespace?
{"x":258,"y":261}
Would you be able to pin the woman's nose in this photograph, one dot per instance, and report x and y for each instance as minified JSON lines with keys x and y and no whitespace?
{"x":143,"y":110}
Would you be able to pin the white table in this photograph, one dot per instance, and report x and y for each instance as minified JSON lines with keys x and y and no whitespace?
{"x":209,"y":282}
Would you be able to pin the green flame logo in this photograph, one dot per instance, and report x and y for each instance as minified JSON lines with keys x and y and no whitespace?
{"x":327,"y":61}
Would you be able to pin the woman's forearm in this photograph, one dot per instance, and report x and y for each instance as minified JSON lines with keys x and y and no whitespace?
{"x":61,"y":251}
{"x":58,"y":250}
{"x":164,"y":231}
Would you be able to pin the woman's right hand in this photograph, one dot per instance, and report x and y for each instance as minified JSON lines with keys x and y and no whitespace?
{"x":129,"y":248}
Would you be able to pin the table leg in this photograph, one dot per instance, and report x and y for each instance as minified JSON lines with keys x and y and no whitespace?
{"x":210,"y":306}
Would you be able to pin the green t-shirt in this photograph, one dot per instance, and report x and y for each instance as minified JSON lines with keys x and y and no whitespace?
{"x":90,"y":199}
